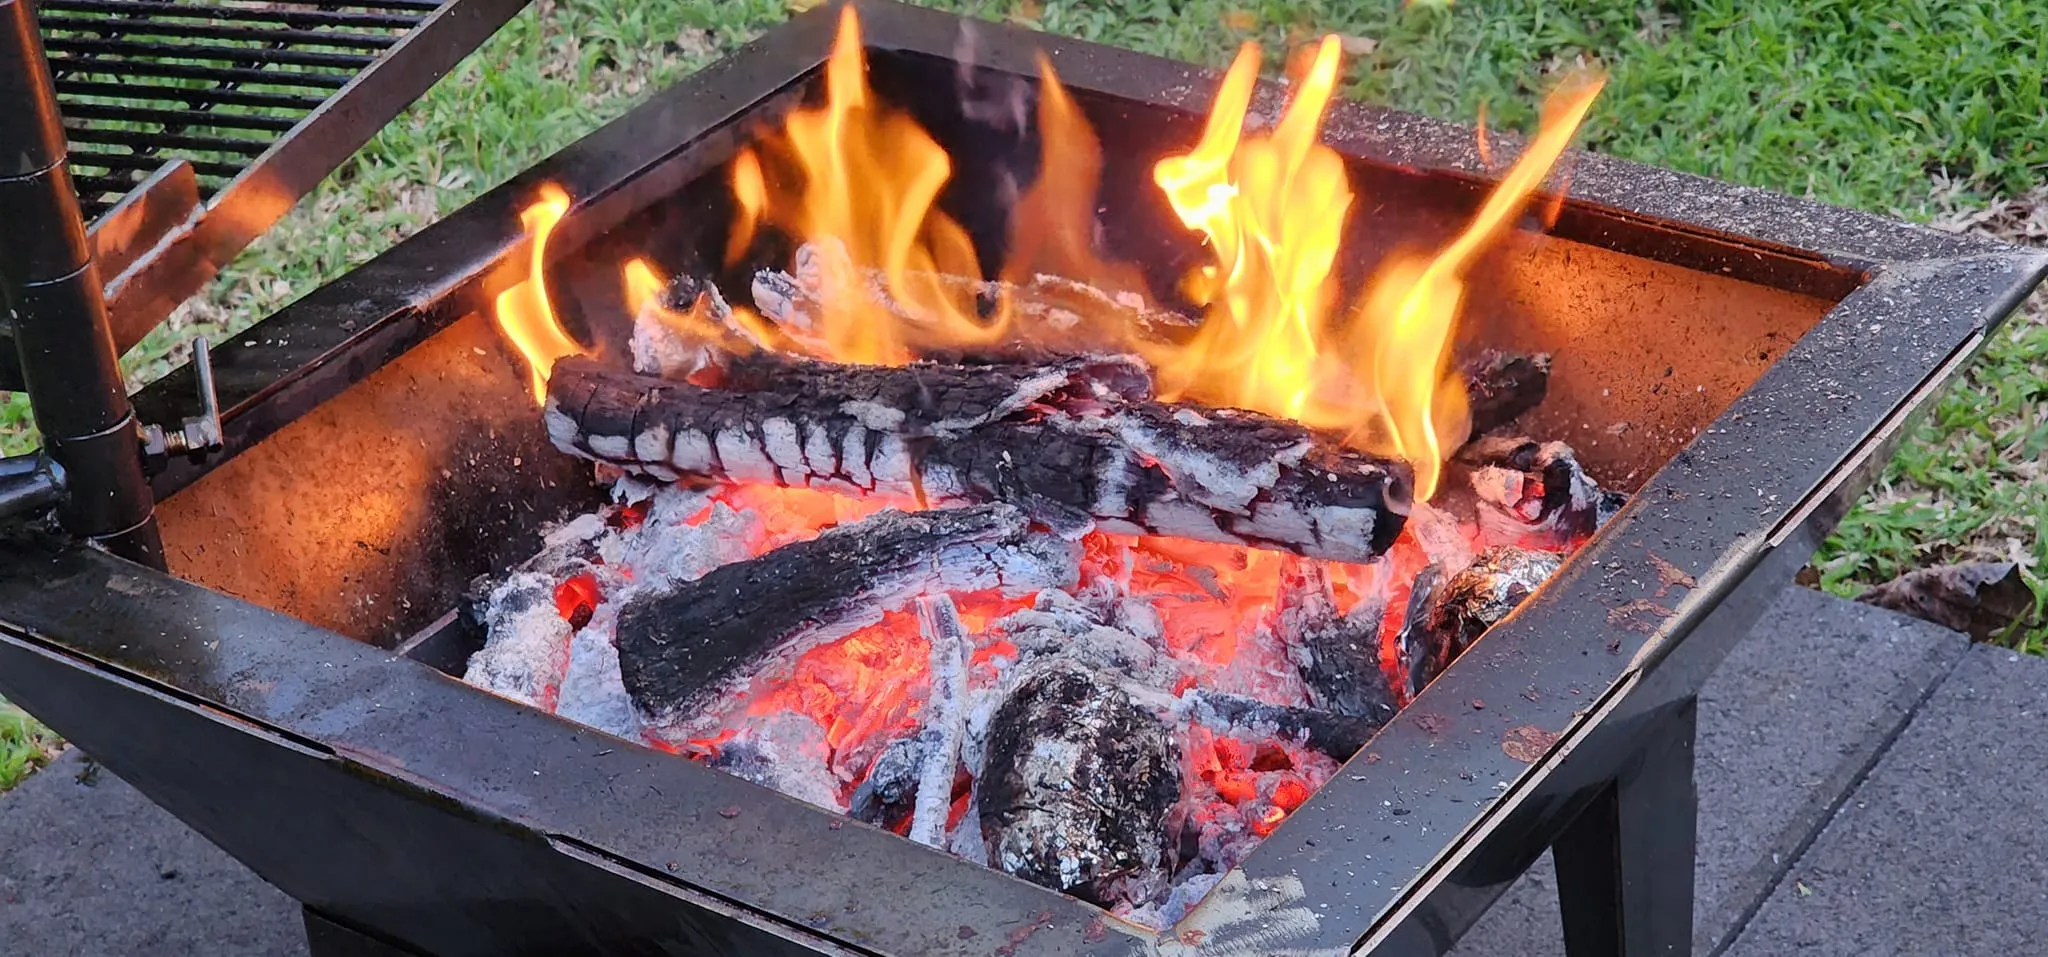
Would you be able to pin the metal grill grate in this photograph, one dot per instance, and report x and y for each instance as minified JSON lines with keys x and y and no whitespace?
{"x":142,"y":82}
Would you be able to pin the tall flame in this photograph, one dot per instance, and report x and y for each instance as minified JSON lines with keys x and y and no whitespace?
{"x":523,"y":312}
{"x":1406,"y":321}
{"x":868,"y":182}
{"x":1272,"y":208}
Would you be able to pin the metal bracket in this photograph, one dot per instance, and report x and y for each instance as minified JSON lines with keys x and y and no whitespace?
{"x":200,"y":434}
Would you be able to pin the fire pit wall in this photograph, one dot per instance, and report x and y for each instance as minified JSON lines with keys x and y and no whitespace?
{"x":373,"y":514}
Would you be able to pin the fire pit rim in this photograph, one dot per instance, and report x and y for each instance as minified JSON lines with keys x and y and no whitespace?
{"x":1931,"y":294}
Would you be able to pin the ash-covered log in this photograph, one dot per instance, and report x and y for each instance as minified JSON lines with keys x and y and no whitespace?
{"x":1473,"y":600}
{"x":1077,"y":784}
{"x":1412,"y":642}
{"x":680,"y":645}
{"x":1069,"y":443}
{"x":1338,"y":653}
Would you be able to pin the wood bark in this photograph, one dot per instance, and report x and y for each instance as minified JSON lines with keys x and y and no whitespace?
{"x":681,"y":644}
{"x":1068,"y":443}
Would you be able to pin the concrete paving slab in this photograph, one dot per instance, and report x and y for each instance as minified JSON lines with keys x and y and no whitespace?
{"x":1942,"y":849}
{"x":90,"y":868}
{"x":1795,"y":715}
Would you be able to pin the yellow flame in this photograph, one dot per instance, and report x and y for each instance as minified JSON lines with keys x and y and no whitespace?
{"x":862,"y":181}
{"x":1408,"y":316}
{"x":1272,"y":208}
{"x":523,"y":312}
{"x":869,"y":180}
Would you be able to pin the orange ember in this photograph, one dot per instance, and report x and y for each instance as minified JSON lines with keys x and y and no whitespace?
{"x":523,"y":312}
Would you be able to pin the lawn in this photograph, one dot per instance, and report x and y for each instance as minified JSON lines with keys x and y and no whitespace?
{"x":1925,"y":109}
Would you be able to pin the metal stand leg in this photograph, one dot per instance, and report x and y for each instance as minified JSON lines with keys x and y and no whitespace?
{"x":325,"y":938}
{"x":1625,"y":867}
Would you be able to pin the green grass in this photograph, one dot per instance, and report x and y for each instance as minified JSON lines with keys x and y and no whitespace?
{"x":24,"y":745}
{"x":1854,"y":102}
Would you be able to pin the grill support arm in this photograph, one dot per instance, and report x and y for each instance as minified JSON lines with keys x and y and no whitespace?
{"x":65,"y":346}
{"x":1625,"y":865}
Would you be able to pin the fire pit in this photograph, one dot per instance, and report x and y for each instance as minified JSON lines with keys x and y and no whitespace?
{"x":936,"y":526}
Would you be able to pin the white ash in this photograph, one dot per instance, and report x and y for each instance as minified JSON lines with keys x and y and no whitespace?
{"x":1442,"y":537}
{"x":786,"y":752}
{"x":944,"y":723}
{"x":592,"y":693}
{"x":527,"y":651}
{"x":1180,"y":899}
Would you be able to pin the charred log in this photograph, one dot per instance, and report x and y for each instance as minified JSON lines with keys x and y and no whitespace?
{"x":1468,"y":603}
{"x":1412,"y":642}
{"x":1077,"y":784}
{"x":887,"y":796}
{"x":1067,"y":442}
{"x":1535,"y":494}
{"x":1339,"y":654}
{"x":1501,"y":386}
{"x":679,"y":645}
{"x":1339,"y":736}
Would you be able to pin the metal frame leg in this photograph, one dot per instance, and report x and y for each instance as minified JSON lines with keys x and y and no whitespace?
{"x":1625,"y":866}
{"x":325,"y":938}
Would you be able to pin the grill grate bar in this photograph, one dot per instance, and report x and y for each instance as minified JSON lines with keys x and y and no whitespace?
{"x":220,"y":54}
{"x":127,"y":27}
{"x":173,"y":119}
{"x":191,"y":96}
{"x":132,"y":161}
{"x":183,"y":71}
{"x":142,"y":142}
{"x":157,"y":12}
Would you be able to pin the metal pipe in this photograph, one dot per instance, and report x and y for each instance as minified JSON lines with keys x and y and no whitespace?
{"x":66,"y":348}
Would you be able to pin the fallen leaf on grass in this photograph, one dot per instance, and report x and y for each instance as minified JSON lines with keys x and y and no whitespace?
{"x":1979,"y":599}
{"x":1357,"y":46}
{"x":1240,"y":20}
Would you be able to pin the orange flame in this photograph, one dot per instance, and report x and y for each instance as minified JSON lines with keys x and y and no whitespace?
{"x":1407,"y":319}
{"x":523,"y":312}
{"x":860,"y":181}
{"x":868,"y":182}
{"x":1272,"y":208}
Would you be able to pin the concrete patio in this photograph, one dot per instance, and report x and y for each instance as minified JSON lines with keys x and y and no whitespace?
{"x":1869,"y":785}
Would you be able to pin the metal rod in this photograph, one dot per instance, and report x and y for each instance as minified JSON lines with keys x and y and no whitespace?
{"x":175,"y":118}
{"x":140,"y":141}
{"x":206,"y":31}
{"x":185,"y":71}
{"x":144,"y":91}
{"x":217,"y":54}
{"x":61,"y":334}
{"x":150,"y":163}
{"x":200,"y":11}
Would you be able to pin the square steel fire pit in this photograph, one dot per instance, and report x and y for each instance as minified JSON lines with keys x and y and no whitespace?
{"x":1741,"y":362}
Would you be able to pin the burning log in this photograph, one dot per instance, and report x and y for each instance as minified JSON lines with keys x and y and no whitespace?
{"x":1339,"y":654}
{"x":1337,"y":735}
{"x":1077,"y":784}
{"x":1047,"y":311}
{"x":1535,"y":494}
{"x":679,"y":645}
{"x":1068,"y":443}
{"x":1468,"y":603}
